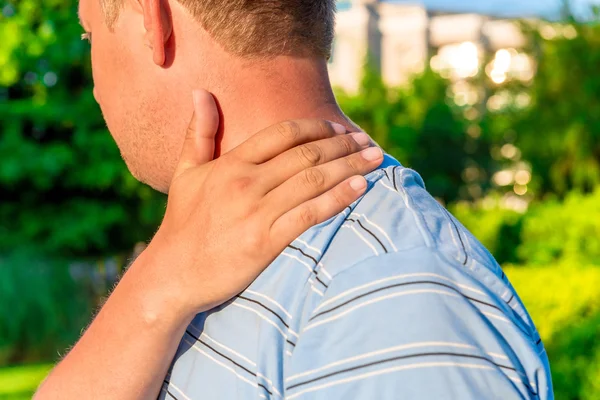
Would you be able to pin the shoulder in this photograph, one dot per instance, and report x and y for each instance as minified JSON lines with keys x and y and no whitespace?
{"x":396,"y":323}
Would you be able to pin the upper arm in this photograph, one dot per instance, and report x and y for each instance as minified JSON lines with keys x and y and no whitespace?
{"x":402,"y":326}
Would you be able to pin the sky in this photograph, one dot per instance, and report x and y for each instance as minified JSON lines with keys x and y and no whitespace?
{"x":505,"y":8}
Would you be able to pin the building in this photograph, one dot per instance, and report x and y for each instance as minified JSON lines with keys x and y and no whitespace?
{"x":400,"y":38}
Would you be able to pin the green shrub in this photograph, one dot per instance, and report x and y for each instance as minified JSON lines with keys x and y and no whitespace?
{"x":564,"y":303}
{"x":563,"y":232}
{"x":42,"y":309}
{"x":496,"y":228}
{"x":549,"y":233}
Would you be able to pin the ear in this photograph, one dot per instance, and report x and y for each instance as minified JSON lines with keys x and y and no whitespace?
{"x":159,"y":27}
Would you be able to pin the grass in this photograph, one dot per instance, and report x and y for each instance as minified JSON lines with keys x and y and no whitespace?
{"x":19,"y":383}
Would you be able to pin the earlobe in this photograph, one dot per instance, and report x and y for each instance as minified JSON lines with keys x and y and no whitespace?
{"x":159,"y":27}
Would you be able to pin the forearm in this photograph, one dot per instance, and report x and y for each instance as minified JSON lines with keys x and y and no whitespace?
{"x":127,"y":350}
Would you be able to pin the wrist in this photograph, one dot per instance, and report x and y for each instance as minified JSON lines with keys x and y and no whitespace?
{"x":161,"y":293}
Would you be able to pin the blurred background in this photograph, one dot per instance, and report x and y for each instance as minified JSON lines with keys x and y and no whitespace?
{"x":495,"y":103}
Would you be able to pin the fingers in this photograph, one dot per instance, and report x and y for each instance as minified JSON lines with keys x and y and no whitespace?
{"x":199,"y":143}
{"x":293,"y":161}
{"x":278,"y":138}
{"x":315,"y":181}
{"x":295,"y":222}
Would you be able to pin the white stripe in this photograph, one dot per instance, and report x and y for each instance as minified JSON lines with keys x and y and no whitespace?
{"x":227,"y":367}
{"x":289,"y":353}
{"x":271,"y":300}
{"x":258,"y":374}
{"x":262,"y":396}
{"x":385,"y":351}
{"x":171,"y":384}
{"x":376,"y":300}
{"x":391,"y":278}
{"x":362,"y":237}
{"x":298,"y":259}
{"x":273,"y":388}
{"x":261,"y":316}
{"x":312,"y":283}
{"x":387,"y":371}
{"x":308,"y":246}
{"x":317,"y":291}
{"x":495,"y":316}
{"x":498,"y":356}
{"x":389,"y":188}
{"x":228,"y":349}
{"x":323,"y":271}
{"x":377,"y":227}
{"x":293,"y":333}
{"x":506,"y":320}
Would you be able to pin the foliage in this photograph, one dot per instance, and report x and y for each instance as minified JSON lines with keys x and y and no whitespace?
{"x":497,"y":228}
{"x":424,"y":129}
{"x":65,"y":190}
{"x":551,"y":232}
{"x":19,"y":383}
{"x":564,"y":303}
{"x":567,"y":231}
{"x":559,"y":132}
{"x":42,"y":308}
{"x":63,"y":184}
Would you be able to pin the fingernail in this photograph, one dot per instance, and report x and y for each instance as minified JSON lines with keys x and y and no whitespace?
{"x":372,"y":154}
{"x":361,"y":138}
{"x":339,"y":129}
{"x":358,"y":183}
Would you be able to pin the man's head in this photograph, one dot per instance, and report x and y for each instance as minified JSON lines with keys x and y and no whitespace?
{"x":148,"y":55}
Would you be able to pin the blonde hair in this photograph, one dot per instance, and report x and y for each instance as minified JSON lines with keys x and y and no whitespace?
{"x":259,"y":28}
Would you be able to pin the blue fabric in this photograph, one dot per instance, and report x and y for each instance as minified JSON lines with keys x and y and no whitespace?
{"x":391,"y":299}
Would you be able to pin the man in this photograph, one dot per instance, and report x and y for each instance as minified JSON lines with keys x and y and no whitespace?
{"x":392,"y":298}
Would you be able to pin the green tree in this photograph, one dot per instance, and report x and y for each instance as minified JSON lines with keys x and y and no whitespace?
{"x":64,"y":189}
{"x":559,"y":132}
{"x":425,"y":129}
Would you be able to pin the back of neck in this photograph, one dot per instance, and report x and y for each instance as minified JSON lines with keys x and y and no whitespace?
{"x":261,"y":94}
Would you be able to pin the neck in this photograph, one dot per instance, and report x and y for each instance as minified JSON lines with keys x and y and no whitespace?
{"x":259,"y":95}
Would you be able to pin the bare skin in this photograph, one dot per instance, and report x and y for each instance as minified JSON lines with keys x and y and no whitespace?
{"x":226,"y":220}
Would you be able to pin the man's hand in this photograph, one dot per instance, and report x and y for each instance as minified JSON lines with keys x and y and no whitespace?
{"x":228,"y":219}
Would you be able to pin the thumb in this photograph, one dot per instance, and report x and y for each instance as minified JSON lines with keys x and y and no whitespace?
{"x":199,"y":143}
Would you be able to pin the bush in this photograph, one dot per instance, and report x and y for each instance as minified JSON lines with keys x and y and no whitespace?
{"x":551,"y":232}
{"x":42,"y":309}
{"x":563,"y":232}
{"x":498,"y":229}
{"x":564,"y":303}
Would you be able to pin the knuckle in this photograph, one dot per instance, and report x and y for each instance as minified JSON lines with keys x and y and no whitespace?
{"x":314,"y":178}
{"x":339,"y":197}
{"x":241,"y":184}
{"x":347,"y":144}
{"x":307,"y":216}
{"x":289,"y":130}
{"x":309,"y":155}
{"x":325,"y":128}
{"x":354,"y":163}
{"x":254,"y":239}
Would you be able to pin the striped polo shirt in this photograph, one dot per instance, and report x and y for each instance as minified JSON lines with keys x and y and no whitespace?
{"x":391,"y":299}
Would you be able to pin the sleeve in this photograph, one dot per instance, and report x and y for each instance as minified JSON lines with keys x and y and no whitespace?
{"x":411,"y":326}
